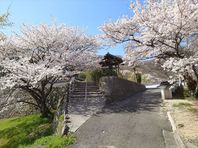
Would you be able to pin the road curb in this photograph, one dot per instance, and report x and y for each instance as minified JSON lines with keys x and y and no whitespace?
{"x":174,"y":128}
{"x":169,"y":139}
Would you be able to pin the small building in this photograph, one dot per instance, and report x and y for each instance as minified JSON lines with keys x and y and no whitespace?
{"x":111,"y":61}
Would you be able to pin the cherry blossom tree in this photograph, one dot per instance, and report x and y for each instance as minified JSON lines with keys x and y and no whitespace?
{"x":161,"y":29}
{"x":4,"y":21}
{"x":45,"y":54}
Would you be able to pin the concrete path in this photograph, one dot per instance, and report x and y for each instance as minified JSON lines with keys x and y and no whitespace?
{"x":81,"y":109}
{"x":136,"y":122}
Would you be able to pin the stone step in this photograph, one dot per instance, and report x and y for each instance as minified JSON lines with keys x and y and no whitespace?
{"x":81,"y":98}
{"x":88,"y":96}
{"x":79,"y":90}
{"x":87,"y":87}
{"x":85,"y":84}
{"x":89,"y":92}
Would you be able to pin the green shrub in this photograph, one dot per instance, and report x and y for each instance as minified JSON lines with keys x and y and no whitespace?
{"x":142,"y":78}
{"x":178,"y":91}
{"x":98,"y":73}
{"x":196,"y":96}
{"x":186,"y":92}
{"x":138,"y":77}
{"x":88,"y":76}
{"x":130,"y":76}
{"x":61,"y":118}
{"x":188,"y":95}
{"x":82,"y":76}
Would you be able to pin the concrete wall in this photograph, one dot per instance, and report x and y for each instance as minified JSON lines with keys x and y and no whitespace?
{"x":115,"y":88}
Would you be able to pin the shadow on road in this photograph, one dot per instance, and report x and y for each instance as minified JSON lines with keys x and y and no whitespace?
{"x":148,"y":100}
{"x":132,"y":122}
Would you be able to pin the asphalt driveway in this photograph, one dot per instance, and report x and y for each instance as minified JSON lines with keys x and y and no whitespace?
{"x":135,"y":122}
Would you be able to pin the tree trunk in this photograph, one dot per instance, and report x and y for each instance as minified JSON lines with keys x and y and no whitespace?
{"x":45,"y":112}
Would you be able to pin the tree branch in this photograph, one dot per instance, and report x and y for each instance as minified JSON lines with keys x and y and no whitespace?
{"x":27,"y":102}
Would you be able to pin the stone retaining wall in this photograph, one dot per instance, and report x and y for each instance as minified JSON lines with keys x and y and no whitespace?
{"x":115,"y":88}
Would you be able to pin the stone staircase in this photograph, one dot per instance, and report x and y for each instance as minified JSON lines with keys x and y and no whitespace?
{"x":85,"y":99}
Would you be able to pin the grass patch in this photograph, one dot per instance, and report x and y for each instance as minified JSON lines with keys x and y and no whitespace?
{"x":191,"y":98}
{"x":182,"y":104}
{"x":23,"y":132}
{"x":54,"y":141}
{"x":194,"y":110}
{"x":188,"y":106}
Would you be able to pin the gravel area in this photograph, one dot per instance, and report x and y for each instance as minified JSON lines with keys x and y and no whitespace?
{"x":185,"y":115}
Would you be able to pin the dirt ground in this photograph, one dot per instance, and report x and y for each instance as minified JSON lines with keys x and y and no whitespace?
{"x":185,"y":115}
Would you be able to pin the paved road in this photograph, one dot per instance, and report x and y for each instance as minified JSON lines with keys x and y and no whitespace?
{"x":136,"y":122}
